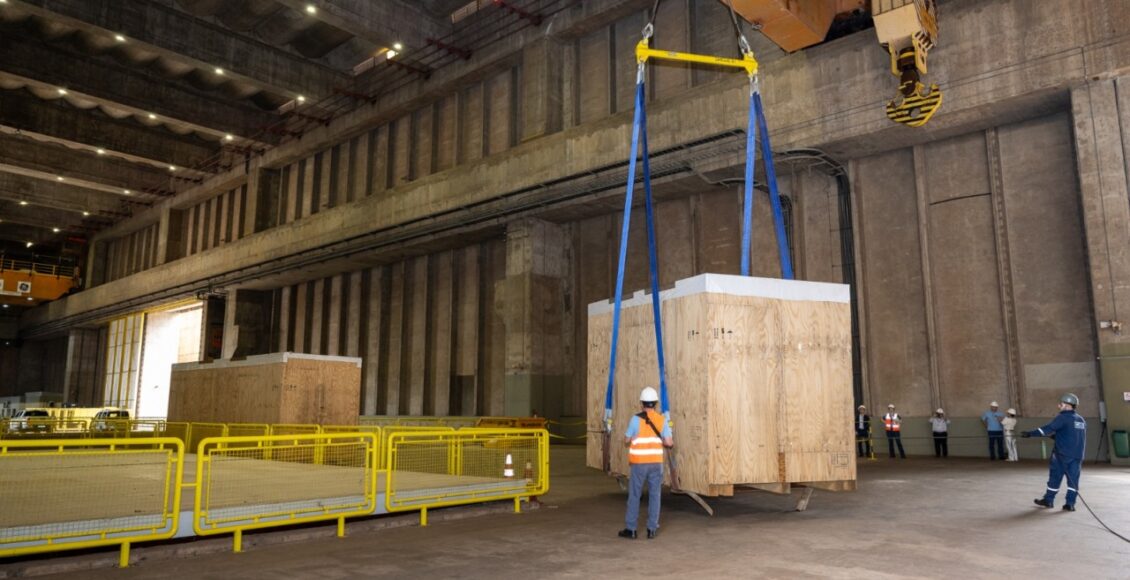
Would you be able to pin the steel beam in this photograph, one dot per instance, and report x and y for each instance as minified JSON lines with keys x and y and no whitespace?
{"x":25,"y":60}
{"x":23,"y":112}
{"x":171,"y":33}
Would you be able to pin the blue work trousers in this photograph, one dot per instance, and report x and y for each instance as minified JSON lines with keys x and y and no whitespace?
{"x":1058,"y":468}
{"x":650,"y":474}
{"x":996,"y":445}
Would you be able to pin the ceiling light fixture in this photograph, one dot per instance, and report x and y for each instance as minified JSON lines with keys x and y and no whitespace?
{"x":29,"y":298}
{"x":126,"y":191}
{"x":301,"y":99}
{"x":172,"y":168}
{"x":56,"y":230}
{"x":85,"y":214}
{"x":397,"y":46}
{"x":390,"y":54}
{"x":219,"y":71}
{"x":101,"y":151}
{"x":62,"y":91}
{"x":28,"y":245}
{"x":119,"y":38}
{"x":58,"y":178}
{"x":152,"y":116}
{"x":23,"y":203}
{"x":311,"y":9}
{"x":228,"y":137}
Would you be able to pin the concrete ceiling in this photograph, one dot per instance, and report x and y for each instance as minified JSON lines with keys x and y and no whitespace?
{"x":107,"y":106}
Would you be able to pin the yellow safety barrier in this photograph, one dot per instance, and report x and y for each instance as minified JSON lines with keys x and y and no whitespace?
{"x":200,"y":431}
{"x":288,"y":429}
{"x":41,"y":427}
{"x":84,"y":493}
{"x":428,"y":469}
{"x":246,"y":483}
{"x":388,"y":431}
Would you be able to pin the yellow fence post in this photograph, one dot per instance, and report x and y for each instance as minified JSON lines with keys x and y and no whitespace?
{"x":423,"y":517}
{"x":123,"y":559}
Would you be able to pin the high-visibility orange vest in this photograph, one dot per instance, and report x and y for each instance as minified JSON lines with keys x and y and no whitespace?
{"x":890,"y":422}
{"x":647,"y":446}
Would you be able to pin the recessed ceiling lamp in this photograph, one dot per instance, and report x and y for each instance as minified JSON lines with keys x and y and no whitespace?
{"x":100,"y":151}
{"x":219,"y":71}
{"x":228,"y":137}
{"x":126,"y":191}
{"x":311,"y":9}
{"x":172,"y":168}
{"x":62,"y":91}
{"x":58,"y":178}
{"x":28,"y":245}
{"x":119,"y":38}
{"x":56,"y":230}
{"x":85,"y":214}
{"x":23,"y":203}
{"x":397,"y":46}
{"x":152,"y":116}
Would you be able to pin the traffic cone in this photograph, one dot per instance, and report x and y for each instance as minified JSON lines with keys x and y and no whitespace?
{"x":508,"y":469}
{"x":529,"y":474}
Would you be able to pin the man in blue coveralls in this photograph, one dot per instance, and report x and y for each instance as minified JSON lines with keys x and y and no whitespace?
{"x":1070,"y":433}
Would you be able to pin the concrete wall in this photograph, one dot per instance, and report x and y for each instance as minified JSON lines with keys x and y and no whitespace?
{"x":130,"y":254}
{"x":213,"y":222}
{"x":973,"y":273}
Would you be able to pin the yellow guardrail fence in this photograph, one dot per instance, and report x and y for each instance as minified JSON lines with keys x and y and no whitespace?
{"x":246,"y":483}
{"x":76,"y":483}
{"x":68,"y":494}
{"x":428,"y":469}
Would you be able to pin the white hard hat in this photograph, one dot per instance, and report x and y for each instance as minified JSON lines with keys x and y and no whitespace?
{"x":994,"y":404}
{"x":862,"y":407}
{"x":940,"y":411}
{"x":648,"y":395}
{"x":891,"y":406}
{"x":1011,"y":411}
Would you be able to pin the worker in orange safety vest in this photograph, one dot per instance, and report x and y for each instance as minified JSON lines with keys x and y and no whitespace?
{"x":892,"y":424}
{"x":647,"y":435}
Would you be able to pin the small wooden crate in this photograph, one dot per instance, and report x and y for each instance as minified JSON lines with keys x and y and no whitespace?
{"x":285,"y":387}
{"x":759,"y":381}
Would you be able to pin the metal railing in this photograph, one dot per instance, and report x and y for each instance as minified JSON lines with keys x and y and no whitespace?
{"x":48,"y":269}
{"x":428,"y":469}
{"x":247,"y":483}
{"x":67,"y":494}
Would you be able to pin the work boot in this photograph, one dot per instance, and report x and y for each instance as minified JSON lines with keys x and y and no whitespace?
{"x":1066,"y":507}
{"x":1042,"y":502}
{"x":651,"y":533}
{"x":629,"y":534}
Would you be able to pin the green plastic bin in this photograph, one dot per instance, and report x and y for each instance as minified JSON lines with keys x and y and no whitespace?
{"x":1121,"y":443}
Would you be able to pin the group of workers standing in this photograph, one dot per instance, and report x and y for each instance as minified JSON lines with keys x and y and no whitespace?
{"x":1001,"y":428}
{"x":1068,"y":428}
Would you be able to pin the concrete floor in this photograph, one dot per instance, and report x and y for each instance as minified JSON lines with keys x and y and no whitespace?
{"x":919,"y":518}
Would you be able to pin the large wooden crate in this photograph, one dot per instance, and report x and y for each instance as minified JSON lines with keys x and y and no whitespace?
{"x":759,"y":381}
{"x":282,"y":387}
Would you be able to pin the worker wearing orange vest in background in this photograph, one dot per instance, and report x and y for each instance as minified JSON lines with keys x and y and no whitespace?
{"x":648,"y":433}
{"x":892,"y":424}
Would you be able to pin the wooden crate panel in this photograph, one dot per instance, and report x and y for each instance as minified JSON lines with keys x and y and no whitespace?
{"x":759,"y":380}
{"x":274,"y":388}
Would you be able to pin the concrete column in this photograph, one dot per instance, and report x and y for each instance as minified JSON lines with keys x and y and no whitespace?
{"x":170,"y":236}
{"x":1101,"y":109}
{"x":535,"y":314}
{"x":542,"y":96}
{"x":247,"y":323}
{"x":95,"y":273}
{"x":264,"y":196}
{"x":81,"y":375}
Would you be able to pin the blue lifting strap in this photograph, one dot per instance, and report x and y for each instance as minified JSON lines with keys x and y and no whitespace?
{"x":639,"y":145}
{"x":770,"y":177}
{"x":757,"y":116}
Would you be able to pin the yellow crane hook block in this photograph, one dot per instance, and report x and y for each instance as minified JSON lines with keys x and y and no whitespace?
{"x":908,"y":29}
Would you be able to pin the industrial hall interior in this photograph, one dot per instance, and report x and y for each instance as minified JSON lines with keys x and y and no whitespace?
{"x":567,"y":288}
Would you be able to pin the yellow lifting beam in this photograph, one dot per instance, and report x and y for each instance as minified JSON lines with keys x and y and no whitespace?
{"x":645,"y":52}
